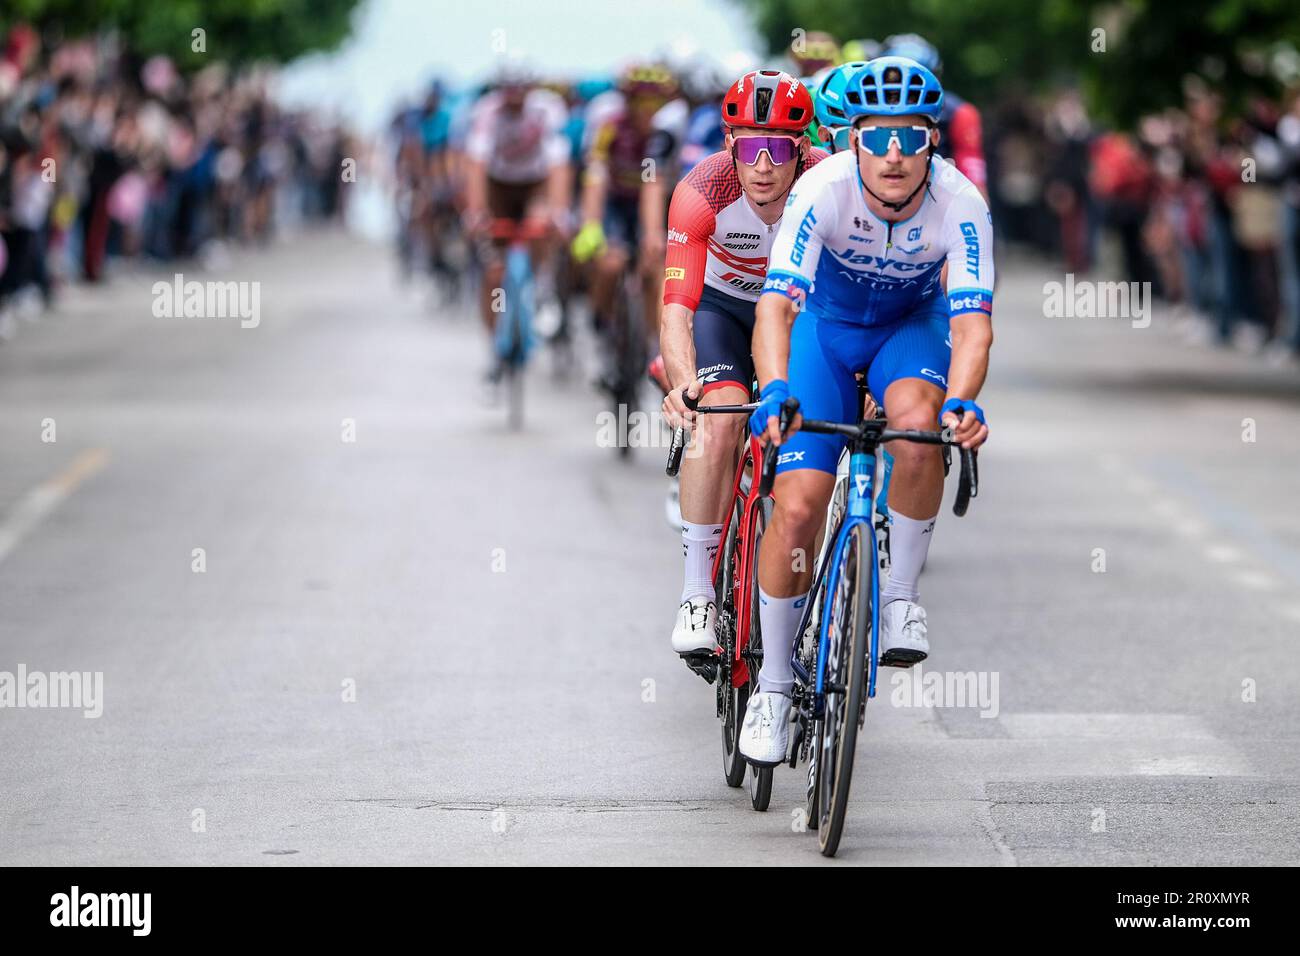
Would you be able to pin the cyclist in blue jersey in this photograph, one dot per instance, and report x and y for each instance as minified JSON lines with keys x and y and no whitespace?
{"x":854,"y":283}
{"x":828,"y":105}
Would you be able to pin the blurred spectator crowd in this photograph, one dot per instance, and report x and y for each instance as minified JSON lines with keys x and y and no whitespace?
{"x":1204,"y":206}
{"x":105,"y":156}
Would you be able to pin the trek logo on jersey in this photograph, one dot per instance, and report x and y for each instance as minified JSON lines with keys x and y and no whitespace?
{"x":741,"y":282}
{"x":970,"y":300}
{"x":972,"y":249}
{"x":678,"y":237}
{"x":675,"y":273}
{"x":802,"y":236}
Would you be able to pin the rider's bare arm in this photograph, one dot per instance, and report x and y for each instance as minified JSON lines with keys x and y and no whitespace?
{"x":773,"y":319}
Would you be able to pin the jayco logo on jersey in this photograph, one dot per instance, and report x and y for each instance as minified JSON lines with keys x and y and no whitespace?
{"x":678,"y":237}
{"x":972,"y":249}
{"x":852,"y":257}
{"x":802,"y":236}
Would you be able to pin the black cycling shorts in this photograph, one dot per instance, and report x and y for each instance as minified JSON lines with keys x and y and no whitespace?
{"x":724,"y":326}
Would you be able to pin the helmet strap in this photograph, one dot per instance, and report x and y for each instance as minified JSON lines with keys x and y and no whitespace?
{"x":900,"y":206}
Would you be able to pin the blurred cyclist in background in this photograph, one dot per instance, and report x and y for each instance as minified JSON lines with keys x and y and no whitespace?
{"x":626,"y":152}
{"x":704,"y":85}
{"x":814,"y":52}
{"x":961,"y":135}
{"x":517,"y":160}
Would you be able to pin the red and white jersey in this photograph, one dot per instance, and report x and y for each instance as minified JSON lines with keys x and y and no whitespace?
{"x":519,"y":147}
{"x":715,"y":237}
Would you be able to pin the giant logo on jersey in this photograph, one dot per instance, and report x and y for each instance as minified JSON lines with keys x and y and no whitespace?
{"x":972,"y":249}
{"x":801,"y":238}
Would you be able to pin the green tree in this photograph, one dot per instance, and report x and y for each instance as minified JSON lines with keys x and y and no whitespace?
{"x":234,"y":30}
{"x":992,"y":47}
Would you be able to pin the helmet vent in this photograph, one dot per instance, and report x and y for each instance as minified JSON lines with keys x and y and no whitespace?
{"x":796,"y":113}
{"x":762,"y":104}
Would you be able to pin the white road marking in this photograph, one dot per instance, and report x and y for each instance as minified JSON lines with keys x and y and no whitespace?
{"x":37,"y":504}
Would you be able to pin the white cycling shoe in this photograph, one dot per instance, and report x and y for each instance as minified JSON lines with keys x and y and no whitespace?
{"x":696,"y":629}
{"x":765,"y":734}
{"x":902,"y":634}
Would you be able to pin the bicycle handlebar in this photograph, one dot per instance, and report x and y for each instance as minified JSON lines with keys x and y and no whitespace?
{"x":967,"y":481}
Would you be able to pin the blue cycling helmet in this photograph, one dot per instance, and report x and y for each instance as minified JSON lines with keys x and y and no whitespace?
{"x":828,"y":98}
{"x":893,"y":86}
{"x":915,"y":47}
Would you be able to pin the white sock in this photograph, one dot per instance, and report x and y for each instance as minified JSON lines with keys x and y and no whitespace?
{"x":778,"y":618}
{"x":909,"y":542}
{"x":700,"y":548}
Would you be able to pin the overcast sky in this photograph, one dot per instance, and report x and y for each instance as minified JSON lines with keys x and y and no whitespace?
{"x":397,"y":45}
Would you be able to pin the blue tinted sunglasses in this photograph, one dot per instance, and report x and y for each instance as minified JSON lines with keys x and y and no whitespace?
{"x":876,"y":140}
{"x":839,"y":138}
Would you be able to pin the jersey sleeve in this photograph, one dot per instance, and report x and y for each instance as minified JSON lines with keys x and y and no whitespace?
{"x":690,"y":224}
{"x":555,"y":147}
{"x":810,"y":214}
{"x":967,"y":146}
{"x":968,"y":233}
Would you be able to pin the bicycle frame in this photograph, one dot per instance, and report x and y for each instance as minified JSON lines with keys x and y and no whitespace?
{"x":858,"y":510}
{"x":747,"y":569}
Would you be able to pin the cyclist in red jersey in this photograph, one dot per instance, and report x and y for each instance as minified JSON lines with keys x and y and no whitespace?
{"x":721,"y":223}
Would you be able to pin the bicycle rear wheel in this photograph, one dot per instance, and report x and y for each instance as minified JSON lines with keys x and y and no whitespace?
{"x":848,"y":644}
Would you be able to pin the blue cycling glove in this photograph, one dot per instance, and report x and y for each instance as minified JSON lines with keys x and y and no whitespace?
{"x":959,"y":406}
{"x":770,"y":401}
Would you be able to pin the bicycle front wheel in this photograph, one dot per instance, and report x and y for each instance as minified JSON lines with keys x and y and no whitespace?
{"x":848,"y":644}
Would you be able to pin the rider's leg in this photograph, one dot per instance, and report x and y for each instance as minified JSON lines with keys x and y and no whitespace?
{"x":607,"y":269}
{"x":721,"y":332}
{"x":910,"y":372}
{"x":707,"y":472}
{"x":494,"y":273}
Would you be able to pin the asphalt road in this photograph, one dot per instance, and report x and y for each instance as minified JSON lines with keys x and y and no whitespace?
{"x":445,"y":643}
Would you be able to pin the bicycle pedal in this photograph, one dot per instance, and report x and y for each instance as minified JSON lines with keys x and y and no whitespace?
{"x":901,"y":658}
{"x":703,"y":663}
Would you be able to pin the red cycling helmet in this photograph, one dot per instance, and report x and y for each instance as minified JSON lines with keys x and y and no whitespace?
{"x":769,"y":99}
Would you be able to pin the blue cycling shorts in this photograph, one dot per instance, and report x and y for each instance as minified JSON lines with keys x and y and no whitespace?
{"x":825,"y":356}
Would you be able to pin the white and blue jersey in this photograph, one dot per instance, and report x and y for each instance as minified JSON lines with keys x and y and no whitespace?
{"x":871,"y":291}
{"x":854,"y":267}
